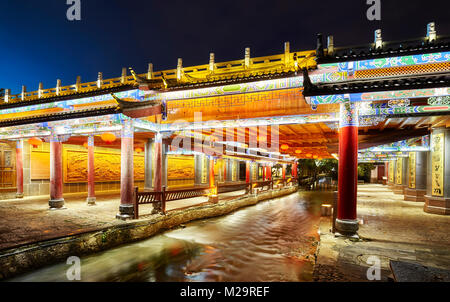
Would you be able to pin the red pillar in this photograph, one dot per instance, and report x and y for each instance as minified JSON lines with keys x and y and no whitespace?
{"x":247,"y":171}
{"x":91,"y":172}
{"x":346,"y":222}
{"x":211,"y":172}
{"x":158,"y":163}
{"x":283,"y":171}
{"x":264,"y":172}
{"x":56,"y":177}
{"x":126,"y":210}
{"x":224,"y":163}
{"x":19,"y":169}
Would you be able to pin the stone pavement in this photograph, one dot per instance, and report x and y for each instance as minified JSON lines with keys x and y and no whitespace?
{"x":29,"y":220}
{"x":390,"y":228}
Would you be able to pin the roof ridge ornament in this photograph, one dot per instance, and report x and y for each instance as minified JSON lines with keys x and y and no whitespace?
{"x":431,"y":32}
{"x":378,"y":39}
{"x":319,"y":48}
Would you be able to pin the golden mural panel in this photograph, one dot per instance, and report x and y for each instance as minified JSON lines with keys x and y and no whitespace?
{"x":180,"y":167}
{"x":437,"y":165}
{"x":398,"y":172}
{"x":107,"y":166}
{"x":40,"y":165}
{"x":412,"y":170}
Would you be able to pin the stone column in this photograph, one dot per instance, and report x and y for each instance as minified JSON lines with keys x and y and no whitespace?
{"x":19,"y":169}
{"x":437,"y":198}
{"x":220,"y":172}
{"x":91,"y":172}
{"x":229,"y":169}
{"x":148,"y":183}
{"x":225,"y":169}
{"x":126,"y":210}
{"x":56,"y":174}
{"x":391,"y":173}
{"x":346,"y":222}
{"x":160,"y":163}
{"x":401,"y":175}
{"x":417,"y":177}
{"x":201,"y":165}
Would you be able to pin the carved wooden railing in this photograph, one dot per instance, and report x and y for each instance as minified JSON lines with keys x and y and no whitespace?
{"x":274,"y":63}
{"x":160,"y":198}
{"x":228,"y":187}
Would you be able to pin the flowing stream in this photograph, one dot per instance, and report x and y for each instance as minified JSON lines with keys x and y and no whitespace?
{"x":271,"y":241}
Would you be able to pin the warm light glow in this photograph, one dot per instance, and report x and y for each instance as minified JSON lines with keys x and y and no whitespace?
{"x":315,"y":157}
{"x":85,"y":144}
{"x":298,"y":151}
{"x":35,"y":142}
{"x":284,"y":147}
{"x":308,"y":155}
{"x":138,"y":150}
{"x":108,"y":137}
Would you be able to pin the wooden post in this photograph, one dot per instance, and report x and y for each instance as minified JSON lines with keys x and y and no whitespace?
{"x":19,"y":169}
{"x":124,"y":75}
{"x":24,"y":90}
{"x":126,"y":171}
{"x":56,"y":174}
{"x":135,"y":202}
{"x":58,"y":86}
{"x":163,"y":200}
{"x":150,"y":71}
{"x":91,"y":172}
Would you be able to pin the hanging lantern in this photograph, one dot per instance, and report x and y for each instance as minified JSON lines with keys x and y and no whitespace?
{"x":138,"y":149}
{"x":298,"y":151}
{"x":108,"y":137}
{"x":284,"y":147}
{"x":85,"y":144}
{"x":308,"y":155}
{"x":315,"y":157}
{"x":35,"y":142}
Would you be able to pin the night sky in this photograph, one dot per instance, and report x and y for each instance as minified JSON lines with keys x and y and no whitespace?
{"x":38,"y":43}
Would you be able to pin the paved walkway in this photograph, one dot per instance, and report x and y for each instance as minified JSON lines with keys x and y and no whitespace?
{"x":29,"y":220}
{"x":390,"y":228}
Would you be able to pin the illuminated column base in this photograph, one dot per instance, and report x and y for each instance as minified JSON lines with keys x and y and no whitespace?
{"x":437,"y":199}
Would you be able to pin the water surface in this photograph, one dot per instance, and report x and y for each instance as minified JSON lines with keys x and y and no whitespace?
{"x":270,"y":241}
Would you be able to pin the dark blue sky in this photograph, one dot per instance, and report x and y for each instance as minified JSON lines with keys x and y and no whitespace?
{"x":38,"y":43}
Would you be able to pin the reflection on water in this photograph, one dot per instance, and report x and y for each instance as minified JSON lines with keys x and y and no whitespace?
{"x":271,"y":241}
